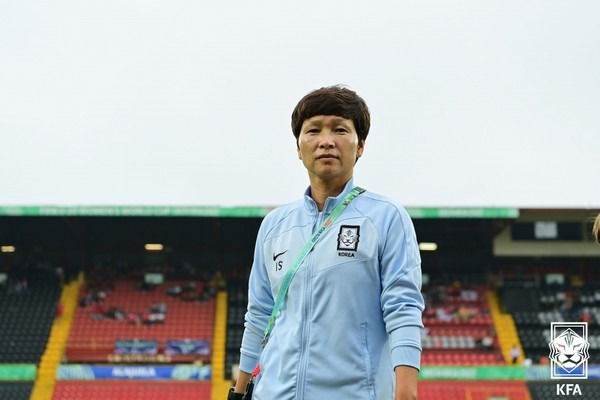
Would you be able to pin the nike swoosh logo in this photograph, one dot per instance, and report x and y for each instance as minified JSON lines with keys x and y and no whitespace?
{"x":277,"y":255}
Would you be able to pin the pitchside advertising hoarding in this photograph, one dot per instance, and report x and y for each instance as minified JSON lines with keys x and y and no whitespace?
{"x":136,"y":372}
{"x":569,"y":355}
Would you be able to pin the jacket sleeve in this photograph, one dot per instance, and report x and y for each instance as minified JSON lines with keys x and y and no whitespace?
{"x":260,"y":305}
{"x":401,"y":301}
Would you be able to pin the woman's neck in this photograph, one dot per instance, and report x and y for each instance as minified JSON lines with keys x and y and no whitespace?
{"x":320,"y":191}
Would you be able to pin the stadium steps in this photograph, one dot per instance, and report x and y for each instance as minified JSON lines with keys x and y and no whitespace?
{"x":505,"y":328}
{"x":220,"y":386}
{"x":46,"y":378}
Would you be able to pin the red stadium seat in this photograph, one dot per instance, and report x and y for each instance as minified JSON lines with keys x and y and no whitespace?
{"x":131,"y":390}
{"x":94,"y":340}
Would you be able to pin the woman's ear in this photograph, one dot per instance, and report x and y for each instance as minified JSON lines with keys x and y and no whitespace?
{"x":360,"y":148}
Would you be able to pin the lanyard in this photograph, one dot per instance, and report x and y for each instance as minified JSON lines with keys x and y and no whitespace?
{"x":307,"y":248}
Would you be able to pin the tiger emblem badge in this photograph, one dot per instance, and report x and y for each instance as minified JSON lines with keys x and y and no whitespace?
{"x":569,"y":350}
{"x":348,"y":237}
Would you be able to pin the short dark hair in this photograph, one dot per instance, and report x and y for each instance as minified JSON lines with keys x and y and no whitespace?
{"x":333,"y":100}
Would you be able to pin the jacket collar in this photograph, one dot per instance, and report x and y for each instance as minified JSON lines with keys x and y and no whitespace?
{"x":330,"y":202}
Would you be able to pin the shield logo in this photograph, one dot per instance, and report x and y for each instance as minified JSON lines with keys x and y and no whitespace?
{"x":569,"y":350}
{"x":348,"y":237}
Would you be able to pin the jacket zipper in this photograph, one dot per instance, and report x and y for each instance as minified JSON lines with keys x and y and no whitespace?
{"x":305,"y":317}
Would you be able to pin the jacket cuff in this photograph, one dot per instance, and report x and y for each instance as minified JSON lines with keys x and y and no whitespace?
{"x":406,"y":355}
{"x":247,"y":363}
{"x":406,"y":346}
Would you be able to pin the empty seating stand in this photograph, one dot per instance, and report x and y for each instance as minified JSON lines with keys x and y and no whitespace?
{"x":94,"y":340}
{"x":27,"y":317}
{"x":131,"y":390}
{"x":15,"y":390}
{"x":534,"y":332}
{"x":456,"y":321}
{"x":470,"y":358}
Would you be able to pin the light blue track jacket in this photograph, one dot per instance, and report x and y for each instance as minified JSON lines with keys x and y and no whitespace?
{"x":353,"y":310}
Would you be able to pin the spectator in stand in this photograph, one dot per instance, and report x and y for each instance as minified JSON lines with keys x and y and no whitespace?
{"x":98,"y":311}
{"x":115,"y":313}
{"x":487,"y":343}
{"x":157,"y":318}
{"x":133,"y":318}
{"x":455,"y":289}
{"x":189,"y":287}
{"x":218,"y":281}
{"x":101,"y":295}
{"x":464,"y":313}
{"x":560,"y":300}
{"x":202,"y":293}
{"x":586,"y":316}
{"x":59,"y":310}
{"x":568,"y":302}
{"x":443,"y":315}
{"x":154,"y":316}
{"x":468,"y":295}
{"x":174,"y":291}
{"x":86,"y":300}
{"x":189,"y":293}
{"x":60,"y":274}
{"x":144,"y":287}
{"x":146,"y":318}
{"x":514,"y":354}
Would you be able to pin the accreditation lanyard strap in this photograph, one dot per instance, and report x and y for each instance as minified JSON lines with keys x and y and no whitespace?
{"x":307,"y":248}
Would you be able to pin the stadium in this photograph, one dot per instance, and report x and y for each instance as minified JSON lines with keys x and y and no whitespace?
{"x":144,"y":144}
{"x":67,"y":277}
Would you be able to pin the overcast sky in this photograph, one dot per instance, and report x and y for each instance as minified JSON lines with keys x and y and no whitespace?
{"x":180,"y":102}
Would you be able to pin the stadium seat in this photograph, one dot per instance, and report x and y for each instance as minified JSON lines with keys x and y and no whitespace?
{"x":27,"y":317}
{"x":94,"y":340}
{"x":15,"y":390}
{"x":131,"y":390}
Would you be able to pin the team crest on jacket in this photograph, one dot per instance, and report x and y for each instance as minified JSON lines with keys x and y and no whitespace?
{"x":348,"y":239}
